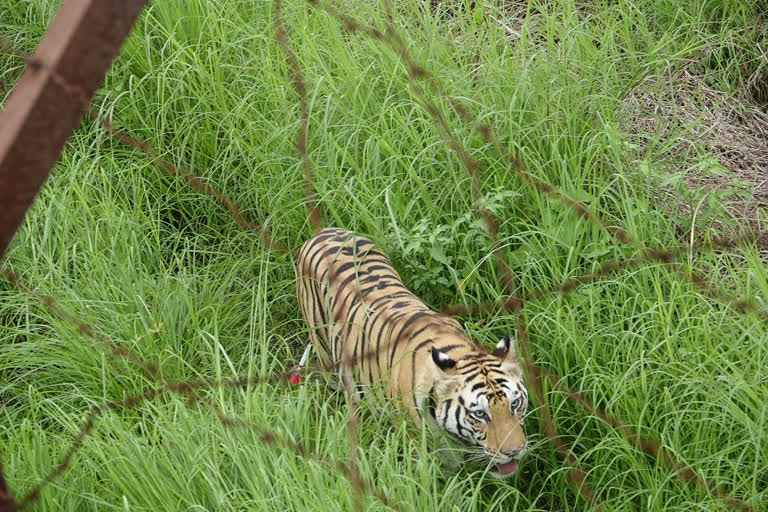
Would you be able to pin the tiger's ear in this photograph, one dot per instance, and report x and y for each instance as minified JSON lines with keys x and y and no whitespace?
{"x":441,"y":360}
{"x":505,"y":349}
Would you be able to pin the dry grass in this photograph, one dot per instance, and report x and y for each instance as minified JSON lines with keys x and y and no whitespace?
{"x":713,"y":140}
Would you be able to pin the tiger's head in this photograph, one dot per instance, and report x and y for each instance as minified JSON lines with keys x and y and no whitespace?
{"x":480,"y":400}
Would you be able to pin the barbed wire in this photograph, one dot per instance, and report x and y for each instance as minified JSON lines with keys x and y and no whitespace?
{"x":77,"y":94}
{"x":662,"y":256}
{"x":515,"y":301}
{"x":313,"y":209}
{"x":188,"y":389}
{"x":472,"y":166}
{"x":414,"y":72}
{"x":115,"y":349}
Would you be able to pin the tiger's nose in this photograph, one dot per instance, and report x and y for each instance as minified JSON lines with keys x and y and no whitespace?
{"x":519,"y":451}
{"x":512,"y":452}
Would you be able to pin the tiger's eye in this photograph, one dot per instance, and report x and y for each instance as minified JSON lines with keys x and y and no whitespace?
{"x":481,"y":415}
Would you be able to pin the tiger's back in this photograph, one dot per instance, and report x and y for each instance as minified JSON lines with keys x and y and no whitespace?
{"x":362,"y":319}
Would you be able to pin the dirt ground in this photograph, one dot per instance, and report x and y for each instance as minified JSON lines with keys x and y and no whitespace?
{"x":709,"y":144}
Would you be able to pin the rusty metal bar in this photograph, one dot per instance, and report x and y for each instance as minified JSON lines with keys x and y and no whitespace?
{"x":51,"y":96}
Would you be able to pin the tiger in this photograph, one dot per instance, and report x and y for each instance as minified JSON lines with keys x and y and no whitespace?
{"x":379,"y":337}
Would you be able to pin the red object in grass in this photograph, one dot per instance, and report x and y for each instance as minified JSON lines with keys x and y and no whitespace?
{"x":294,"y":378}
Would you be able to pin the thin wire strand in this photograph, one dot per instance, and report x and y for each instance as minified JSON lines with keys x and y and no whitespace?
{"x":415,"y":73}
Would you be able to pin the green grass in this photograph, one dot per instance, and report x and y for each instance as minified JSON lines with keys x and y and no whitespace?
{"x":152,"y":263}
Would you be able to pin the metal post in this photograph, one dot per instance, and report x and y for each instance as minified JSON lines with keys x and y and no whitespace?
{"x":51,"y":96}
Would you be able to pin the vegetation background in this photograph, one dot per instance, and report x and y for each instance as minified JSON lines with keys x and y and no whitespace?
{"x":652,"y":112}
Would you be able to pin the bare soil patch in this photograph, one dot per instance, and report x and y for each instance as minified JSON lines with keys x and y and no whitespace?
{"x":708,"y":144}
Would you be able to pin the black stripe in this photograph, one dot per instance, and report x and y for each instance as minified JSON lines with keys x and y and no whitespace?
{"x":445,"y":413}
{"x":373,"y":257}
{"x":469,"y":366}
{"x":396,"y":341}
{"x":345,"y":266}
{"x":369,"y":326}
{"x":315,"y":240}
{"x":361,"y":242}
{"x":477,"y":386}
{"x":423,"y":344}
{"x":471,"y":376}
{"x":431,"y":403}
{"x":458,"y":421}
{"x":396,"y":295}
{"x":317,"y":257}
{"x":379,"y":267}
{"x":380,"y":286}
{"x":347,"y":281}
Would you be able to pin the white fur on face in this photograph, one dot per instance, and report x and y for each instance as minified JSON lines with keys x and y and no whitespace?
{"x":453,"y":413}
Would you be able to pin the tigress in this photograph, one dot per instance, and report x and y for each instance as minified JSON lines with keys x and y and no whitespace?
{"x":380,"y":337}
